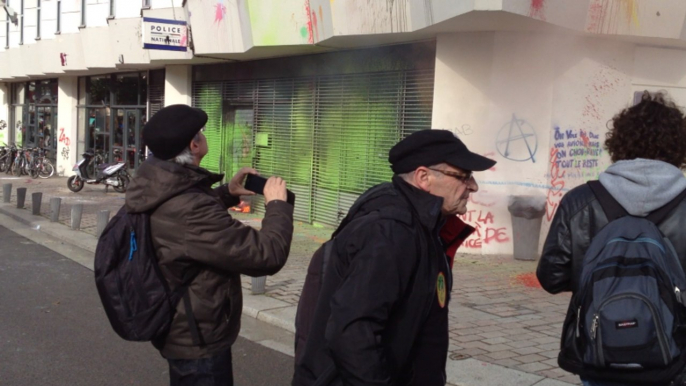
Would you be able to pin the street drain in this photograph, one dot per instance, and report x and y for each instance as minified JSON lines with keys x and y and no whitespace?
{"x":459,"y":357}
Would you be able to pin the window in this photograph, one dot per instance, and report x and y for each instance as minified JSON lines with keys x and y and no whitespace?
{"x":21,"y":21}
{"x":146,"y":4}
{"x":111,"y":16}
{"x":37,"y":19}
{"x":59,"y":17}
{"x":7,"y":28}
{"x":83,"y":14}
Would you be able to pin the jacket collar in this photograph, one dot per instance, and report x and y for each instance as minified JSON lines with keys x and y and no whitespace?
{"x":157,"y":180}
{"x":426,"y":205}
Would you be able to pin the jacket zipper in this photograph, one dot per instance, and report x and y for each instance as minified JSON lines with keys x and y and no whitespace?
{"x":578,"y":321}
{"x":595,"y":327}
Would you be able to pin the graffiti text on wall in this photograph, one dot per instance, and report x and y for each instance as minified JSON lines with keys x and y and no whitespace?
{"x":575,"y":154}
{"x":63,"y":138}
{"x":579,"y":150}
{"x":517,"y":140}
{"x":484,"y":232}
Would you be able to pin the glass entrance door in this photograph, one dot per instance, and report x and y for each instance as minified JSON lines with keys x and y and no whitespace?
{"x":126,"y":139}
{"x":46,"y":118}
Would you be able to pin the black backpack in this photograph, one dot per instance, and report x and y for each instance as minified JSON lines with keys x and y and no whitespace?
{"x":626,"y":320}
{"x":135,"y":295}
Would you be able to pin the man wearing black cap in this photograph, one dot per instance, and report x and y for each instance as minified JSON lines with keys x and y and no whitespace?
{"x":378,"y":313}
{"x":195,"y":237}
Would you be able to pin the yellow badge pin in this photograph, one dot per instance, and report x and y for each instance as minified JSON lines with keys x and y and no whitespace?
{"x":441,"y":289}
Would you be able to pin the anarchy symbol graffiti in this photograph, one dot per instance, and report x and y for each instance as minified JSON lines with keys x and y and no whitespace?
{"x":517,"y":141}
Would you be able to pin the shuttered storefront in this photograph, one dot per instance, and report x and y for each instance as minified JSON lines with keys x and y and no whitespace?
{"x":328,"y":136}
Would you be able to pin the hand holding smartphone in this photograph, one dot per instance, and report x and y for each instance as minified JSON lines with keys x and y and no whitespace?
{"x":255,"y":183}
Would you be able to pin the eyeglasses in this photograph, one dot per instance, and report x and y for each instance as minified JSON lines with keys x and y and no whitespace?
{"x":464,"y":178}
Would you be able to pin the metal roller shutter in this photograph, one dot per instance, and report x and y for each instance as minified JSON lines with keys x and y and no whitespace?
{"x":208,"y":96}
{"x":327,"y":136}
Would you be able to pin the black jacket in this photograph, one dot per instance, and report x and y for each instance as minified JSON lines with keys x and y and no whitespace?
{"x":580,"y":217}
{"x":378,"y":289}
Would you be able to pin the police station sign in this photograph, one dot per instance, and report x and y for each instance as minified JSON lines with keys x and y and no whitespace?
{"x":162,"y":34}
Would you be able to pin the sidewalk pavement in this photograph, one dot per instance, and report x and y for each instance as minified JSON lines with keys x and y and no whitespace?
{"x":504,"y":329}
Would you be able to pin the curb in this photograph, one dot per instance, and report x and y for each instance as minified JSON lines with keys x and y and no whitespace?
{"x":465,"y":372}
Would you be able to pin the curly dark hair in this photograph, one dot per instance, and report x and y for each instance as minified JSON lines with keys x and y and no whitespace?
{"x":655,"y":129}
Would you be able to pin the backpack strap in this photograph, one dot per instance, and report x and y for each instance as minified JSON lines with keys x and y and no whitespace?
{"x":182,"y":290}
{"x":658,"y":215}
{"x":613,"y":210}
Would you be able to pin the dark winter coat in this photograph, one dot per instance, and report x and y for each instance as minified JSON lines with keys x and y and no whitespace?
{"x":194,"y":230}
{"x":378,"y":289}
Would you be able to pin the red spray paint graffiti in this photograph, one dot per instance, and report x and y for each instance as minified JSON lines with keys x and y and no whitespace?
{"x":310,"y":33}
{"x":63,"y":138}
{"x":556,"y":185}
{"x":63,"y":59}
{"x":484,"y":232}
{"x":219,"y":12}
{"x":537,"y":9}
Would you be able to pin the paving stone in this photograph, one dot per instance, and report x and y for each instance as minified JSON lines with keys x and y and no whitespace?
{"x":533,"y":367}
{"x":531,"y":358}
{"x":503,"y":355}
{"x":527,"y":350}
{"x":496,"y":340}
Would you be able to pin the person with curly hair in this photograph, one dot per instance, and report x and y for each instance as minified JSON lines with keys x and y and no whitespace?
{"x":647,"y":145}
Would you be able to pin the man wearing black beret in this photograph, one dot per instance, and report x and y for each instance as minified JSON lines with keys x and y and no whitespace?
{"x":374,"y":308}
{"x":193,"y":233}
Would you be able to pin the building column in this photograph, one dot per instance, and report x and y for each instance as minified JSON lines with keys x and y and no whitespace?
{"x":4,"y":113}
{"x":178,"y":85}
{"x":67,"y":124}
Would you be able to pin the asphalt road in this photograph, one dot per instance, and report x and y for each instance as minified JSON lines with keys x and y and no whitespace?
{"x":53,"y":330}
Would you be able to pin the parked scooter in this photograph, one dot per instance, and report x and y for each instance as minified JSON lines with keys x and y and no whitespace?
{"x":115,"y":175}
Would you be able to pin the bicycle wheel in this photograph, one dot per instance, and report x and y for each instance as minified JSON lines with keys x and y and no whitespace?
{"x":34,"y":169}
{"x":17,"y":167}
{"x":47,"y":170}
{"x":4,"y":164}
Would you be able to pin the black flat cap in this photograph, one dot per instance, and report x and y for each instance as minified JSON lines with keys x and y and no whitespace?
{"x":171,"y":130}
{"x":431,"y":147}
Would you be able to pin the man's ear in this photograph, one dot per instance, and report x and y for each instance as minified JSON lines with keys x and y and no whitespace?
{"x":422,"y":179}
{"x":194,"y":146}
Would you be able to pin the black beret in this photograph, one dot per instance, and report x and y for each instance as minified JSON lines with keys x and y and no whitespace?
{"x":171,"y":130}
{"x":431,"y":147}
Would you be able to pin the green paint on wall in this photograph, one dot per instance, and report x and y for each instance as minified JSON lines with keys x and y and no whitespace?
{"x":267,"y":22}
{"x":209,"y":98}
{"x":303,"y":32}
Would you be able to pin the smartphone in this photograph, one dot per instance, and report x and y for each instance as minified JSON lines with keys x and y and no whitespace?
{"x":256,"y":184}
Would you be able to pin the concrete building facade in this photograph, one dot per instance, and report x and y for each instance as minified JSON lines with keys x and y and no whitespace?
{"x":318,"y":90}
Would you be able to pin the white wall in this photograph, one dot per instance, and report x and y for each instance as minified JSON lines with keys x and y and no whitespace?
{"x":177,"y":85}
{"x":67,"y":124}
{"x":498,"y":90}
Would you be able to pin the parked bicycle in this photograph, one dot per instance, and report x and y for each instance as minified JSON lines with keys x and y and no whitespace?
{"x":41,"y":165}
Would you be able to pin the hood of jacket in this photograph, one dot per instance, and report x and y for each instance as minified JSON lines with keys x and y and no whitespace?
{"x":156,"y":181}
{"x":642,"y":185}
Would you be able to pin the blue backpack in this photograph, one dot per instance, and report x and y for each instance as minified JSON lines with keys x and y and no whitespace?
{"x":626,"y":321}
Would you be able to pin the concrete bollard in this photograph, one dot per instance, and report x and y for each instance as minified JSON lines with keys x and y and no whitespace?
{"x":6,"y":192}
{"x":55,"y":203}
{"x":258,"y":285}
{"x":103,"y":219}
{"x":21,"y":196}
{"x":76,"y":212}
{"x":36,"y":199}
